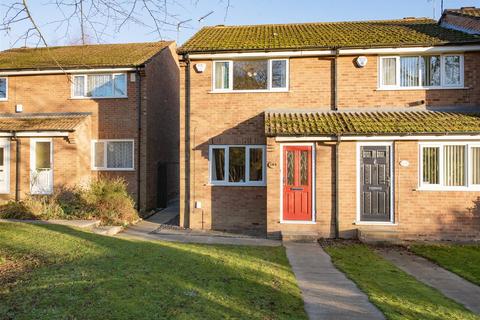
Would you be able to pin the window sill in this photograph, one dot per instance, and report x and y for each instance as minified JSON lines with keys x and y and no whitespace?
{"x":421,"y":88}
{"x":464,"y":189}
{"x":3,"y":99}
{"x":97,"y":98}
{"x":114,"y":169}
{"x":297,"y":222}
{"x":373,"y":223}
{"x":248,"y":91}
{"x":237,"y":184}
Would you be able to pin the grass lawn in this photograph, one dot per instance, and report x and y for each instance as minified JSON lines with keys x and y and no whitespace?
{"x":63,"y":273}
{"x":395,"y":293}
{"x":463,"y":260}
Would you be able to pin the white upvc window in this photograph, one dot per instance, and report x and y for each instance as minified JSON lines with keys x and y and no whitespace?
{"x":258,"y":75}
{"x":449,"y":166}
{"x":93,"y":86}
{"x":237,"y":165}
{"x":3,"y":89}
{"x":421,"y":72}
{"x":113,"y":155}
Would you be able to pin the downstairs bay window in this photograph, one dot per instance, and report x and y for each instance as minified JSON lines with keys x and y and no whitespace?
{"x":450,"y":166}
{"x":111,"y":155}
{"x":237,"y":165}
{"x":421,"y":72}
{"x":250,"y":75}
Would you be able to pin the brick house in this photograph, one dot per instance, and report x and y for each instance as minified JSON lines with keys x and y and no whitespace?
{"x":331,"y":129}
{"x":69,"y":114}
{"x":466,"y":19}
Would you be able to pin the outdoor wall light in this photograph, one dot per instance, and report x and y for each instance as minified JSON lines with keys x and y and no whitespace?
{"x":361,"y":61}
{"x":200,"y":67}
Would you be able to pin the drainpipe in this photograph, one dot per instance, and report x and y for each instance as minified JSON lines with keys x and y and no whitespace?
{"x":337,"y":186}
{"x":139,"y":132}
{"x":187,"y":142}
{"x":17,"y":166}
{"x":335,"y":80}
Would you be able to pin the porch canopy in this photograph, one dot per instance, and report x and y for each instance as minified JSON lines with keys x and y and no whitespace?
{"x":41,"y":124}
{"x":306,"y":123}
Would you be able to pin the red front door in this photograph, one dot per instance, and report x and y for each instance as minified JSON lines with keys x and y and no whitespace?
{"x":297,"y":183}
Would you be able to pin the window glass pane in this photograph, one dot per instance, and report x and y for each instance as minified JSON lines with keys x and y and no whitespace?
{"x":290,"y":168}
{"x":218,"y":165}
{"x":454,"y":165}
{"x":3,"y":88}
{"x":236,"y":163}
{"x":431,"y":165}
{"x":250,"y":75}
{"x":120,"y":154}
{"x":430,"y":70}
{"x":2,"y":156}
{"x":452,"y":70}
{"x":100,"y":85}
{"x":222,"y":75}
{"x":475,"y":158}
{"x":120,"y":85}
{"x":389,"y":71}
{"x":79,"y":86}
{"x":99,"y":160}
{"x":304,"y":168}
{"x":409,"y":71}
{"x":279,"y":74}
{"x":256,"y":164}
{"x":42,"y":155}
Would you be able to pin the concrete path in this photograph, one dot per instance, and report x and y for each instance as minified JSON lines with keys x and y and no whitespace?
{"x":448,"y":283}
{"x":327,"y":292}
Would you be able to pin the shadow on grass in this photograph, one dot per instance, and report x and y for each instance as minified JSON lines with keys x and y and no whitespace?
{"x":91,"y":276}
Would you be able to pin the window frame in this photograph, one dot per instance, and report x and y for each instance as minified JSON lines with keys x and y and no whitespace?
{"x":442,"y":85}
{"x":6,"y":89}
{"x":226,"y":148}
{"x":105,"y":168}
{"x":85,"y":85}
{"x":269,"y":75}
{"x":469,"y":186}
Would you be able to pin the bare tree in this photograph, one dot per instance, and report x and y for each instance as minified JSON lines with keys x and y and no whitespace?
{"x":100,"y":19}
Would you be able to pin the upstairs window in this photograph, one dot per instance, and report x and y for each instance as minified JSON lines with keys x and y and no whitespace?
{"x":432,"y":71}
{"x":100,"y":86}
{"x":250,"y":75}
{"x":3,"y":89}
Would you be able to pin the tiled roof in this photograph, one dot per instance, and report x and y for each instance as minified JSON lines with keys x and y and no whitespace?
{"x":67,"y":121}
{"x":330,"y":123}
{"x":470,"y":12}
{"x":86,"y":56}
{"x":379,"y":33}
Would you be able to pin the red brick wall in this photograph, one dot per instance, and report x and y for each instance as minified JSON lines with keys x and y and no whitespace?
{"x":237,"y":118}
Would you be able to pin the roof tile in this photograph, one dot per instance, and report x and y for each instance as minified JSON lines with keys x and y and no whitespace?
{"x":67,"y":121}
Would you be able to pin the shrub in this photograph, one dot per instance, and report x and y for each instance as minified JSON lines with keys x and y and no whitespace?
{"x":105,"y":199}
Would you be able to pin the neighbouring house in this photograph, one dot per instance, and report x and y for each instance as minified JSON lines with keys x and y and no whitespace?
{"x":332,"y":129}
{"x":69,"y":114}
{"x":466,"y":19}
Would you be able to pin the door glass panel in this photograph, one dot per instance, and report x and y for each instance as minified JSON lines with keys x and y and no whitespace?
{"x":290,"y":167}
{"x":256,"y":163}
{"x":2,"y":152}
{"x":236,"y":163}
{"x":304,"y":168}
{"x":42,"y":155}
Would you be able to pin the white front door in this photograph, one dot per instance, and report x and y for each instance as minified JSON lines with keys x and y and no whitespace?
{"x":41,"y":166}
{"x":4,"y":166}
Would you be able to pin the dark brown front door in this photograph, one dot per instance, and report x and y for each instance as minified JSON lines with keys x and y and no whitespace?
{"x":375,"y":183}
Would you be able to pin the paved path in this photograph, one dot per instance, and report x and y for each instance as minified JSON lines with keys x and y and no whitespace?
{"x":327,"y":292}
{"x":448,"y":283}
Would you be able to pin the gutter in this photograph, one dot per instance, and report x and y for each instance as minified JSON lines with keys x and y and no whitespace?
{"x":337,"y":188}
{"x":69,"y":71}
{"x":335,"y":80}
{"x":17,"y":166}
{"x":186,"y":222}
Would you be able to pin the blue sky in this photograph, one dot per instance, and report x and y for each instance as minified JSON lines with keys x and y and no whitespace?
{"x":240,"y":12}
